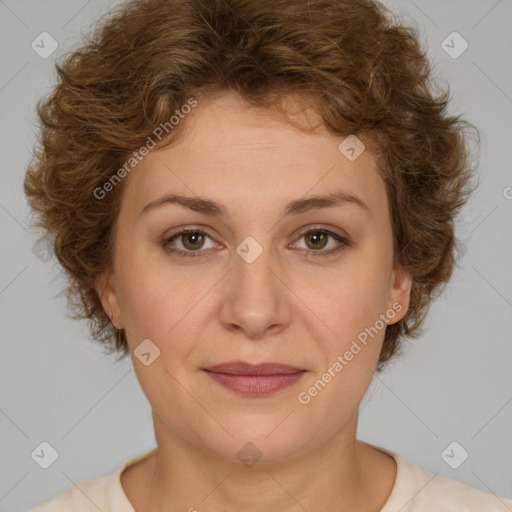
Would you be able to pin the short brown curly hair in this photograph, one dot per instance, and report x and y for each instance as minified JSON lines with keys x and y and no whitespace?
{"x":366,"y":74}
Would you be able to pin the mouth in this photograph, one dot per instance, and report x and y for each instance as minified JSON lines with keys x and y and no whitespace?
{"x":254,"y":380}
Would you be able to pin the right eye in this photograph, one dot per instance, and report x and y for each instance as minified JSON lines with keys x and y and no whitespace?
{"x":191,"y":240}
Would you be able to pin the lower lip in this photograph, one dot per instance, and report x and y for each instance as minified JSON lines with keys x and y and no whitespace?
{"x":255,"y":385}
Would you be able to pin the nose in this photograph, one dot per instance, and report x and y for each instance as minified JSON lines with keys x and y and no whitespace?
{"x":255,"y":296}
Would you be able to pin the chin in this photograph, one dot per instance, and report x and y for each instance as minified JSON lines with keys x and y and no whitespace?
{"x":257,"y":442}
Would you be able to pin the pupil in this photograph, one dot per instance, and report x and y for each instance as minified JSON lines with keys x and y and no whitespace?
{"x":196,"y":236}
{"x":317,"y":237}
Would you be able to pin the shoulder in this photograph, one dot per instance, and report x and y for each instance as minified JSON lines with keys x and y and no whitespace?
{"x":87,"y":496}
{"x":419,"y":490}
{"x":104,"y":493}
{"x":446,"y":494}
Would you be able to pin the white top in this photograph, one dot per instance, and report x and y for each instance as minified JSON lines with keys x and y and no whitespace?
{"x":415,"y":490}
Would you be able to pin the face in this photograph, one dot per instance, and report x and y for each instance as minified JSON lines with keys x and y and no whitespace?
{"x":260,"y":279}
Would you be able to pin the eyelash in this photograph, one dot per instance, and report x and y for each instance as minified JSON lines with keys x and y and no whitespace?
{"x":343,"y":242}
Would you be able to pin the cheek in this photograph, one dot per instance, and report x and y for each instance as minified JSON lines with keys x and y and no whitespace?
{"x":144,"y":298}
{"x":350,"y":298}
{"x":161,"y":303}
{"x":348,"y":308}
{"x":351,"y":349}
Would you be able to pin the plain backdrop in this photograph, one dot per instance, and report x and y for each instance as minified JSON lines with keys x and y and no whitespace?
{"x":454,"y":383}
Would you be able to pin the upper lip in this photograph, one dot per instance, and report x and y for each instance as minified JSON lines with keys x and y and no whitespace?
{"x":243,"y":368}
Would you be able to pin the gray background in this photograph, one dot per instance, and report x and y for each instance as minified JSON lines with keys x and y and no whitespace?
{"x":453,"y":384}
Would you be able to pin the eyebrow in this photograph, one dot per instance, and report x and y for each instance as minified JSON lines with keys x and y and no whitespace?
{"x":295,"y":207}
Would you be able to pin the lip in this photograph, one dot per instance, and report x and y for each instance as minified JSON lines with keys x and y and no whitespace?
{"x":254,"y":380}
{"x":243,"y":368}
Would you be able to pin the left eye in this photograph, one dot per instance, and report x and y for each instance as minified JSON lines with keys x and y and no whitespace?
{"x":192,"y":240}
{"x":318,"y":240}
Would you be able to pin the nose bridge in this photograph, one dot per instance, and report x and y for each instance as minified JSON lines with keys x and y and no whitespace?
{"x":253,"y":263}
{"x":254,"y":300}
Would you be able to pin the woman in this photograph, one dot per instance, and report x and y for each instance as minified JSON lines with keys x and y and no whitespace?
{"x":255,"y":201}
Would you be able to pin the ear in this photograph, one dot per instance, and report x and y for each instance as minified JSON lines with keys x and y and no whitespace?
{"x":105,"y":286}
{"x":400,"y":292}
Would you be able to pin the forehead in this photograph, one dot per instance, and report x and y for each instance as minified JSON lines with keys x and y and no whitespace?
{"x":241,"y":155}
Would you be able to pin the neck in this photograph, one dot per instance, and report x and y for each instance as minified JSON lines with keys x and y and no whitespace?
{"x":343,"y":474}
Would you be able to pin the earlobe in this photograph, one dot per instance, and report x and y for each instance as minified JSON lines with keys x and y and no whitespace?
{"x":108,"y":295}
{"x":400,"y":291}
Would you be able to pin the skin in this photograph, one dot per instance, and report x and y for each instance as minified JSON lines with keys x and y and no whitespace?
{"x":283,"y":307}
